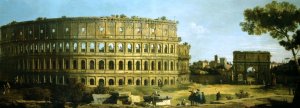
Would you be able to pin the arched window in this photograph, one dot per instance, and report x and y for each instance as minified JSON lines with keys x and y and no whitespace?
{"x":111,"y":82}
{"x":67,"y":47}
{"x":92,"y":64}
{"x":129,"y":82}
{"x":75,"y":64}
{"x":120,"y":82}
{"x":120,"y":47}
{"x":152,"y":82}
{"x":82,"y":64}
{"x":101,"y":47}
{"x":111,"y":65}
{"x":92,"y":82}
{"x":60,"y":47}
{"x":166,"y":82}
{"x":92,"y":47}
{"x":137,"y":65}
{"x":129,"y":48}
{"x":146,"y":47}
{"x":172,"y":82}
{"x":138,"y":82}
{"x":137,"y":48}
{"x":152,"y":65}
{"x":75,"y":47}
{"x":82,"y":80}
{"x":159,"y":65}
{"x":129,"y":65}
{"x":67,"y":64}
{"x":166,"y":49}
{"x":101,"y":65}
{"x":145,"y":82}
{"x":159,"y":48}
{"x":152,"y":48}
{"x":172,"y":66}
{"x":111,"y":47}
{"x":172,"y":49}
{"x":145,"y":65}
{"x":166,"y":66}
{"x":120,"y":65}
{"x":101,"y":82}
{"x":83,"y":47}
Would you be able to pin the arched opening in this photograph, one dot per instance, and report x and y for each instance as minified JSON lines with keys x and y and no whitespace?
{"x":101,"y":65}
{"x":92,"y":64}
{"x":101,"y":47}
{"x":172,"y":82}
{"x":111,"y":47}
{"x":111,"y":65}
{"x":83,"y":81}
{"x":129,"y":82}
{"x":75,"y":64}
{"x":166,"y":49}
{"x":129,"y":48}
{"x":101,"y":82}
{"x":172,"y":66}
{"x":137,"y":65}
{"x":120,"y":81}
{"x":145,"y":65}
{"x":138,"y":48}
{"x":120,"y":65}
{"x":111,"y":82}
{"x":129,"y":65}
{"x":152,"y":82}
{"x":120,"y":46}
{"x":251,"y":75}
{"x":138,"y":82}
{"x":92,"y":82}
{"x":166,"y":66}
{"x":82,"y":64}
{"x":152,"y":65}
{"x":159,"y":65}
{"x":166,"y":82}
{"x":145,"y":82}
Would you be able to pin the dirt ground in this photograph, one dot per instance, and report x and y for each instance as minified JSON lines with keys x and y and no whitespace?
{"x":255,"y":91}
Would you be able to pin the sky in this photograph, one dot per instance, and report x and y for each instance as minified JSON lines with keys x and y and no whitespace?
{"x":211,"y":27}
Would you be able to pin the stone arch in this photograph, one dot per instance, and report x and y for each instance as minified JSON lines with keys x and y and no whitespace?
{"x":82,"y":80}
{"x":83,"y":64}
{"x":129,"y":65}
{"x":129,"y":82}
{"x":111,"y":82}
{"x":121,"y":82}
{"x":138,"y":82}
{"x":152,"y":82}
{"x":172,"y":82}
{"x":101,"y":82}
{"x":111,"y":65}
{"x":101,"y":65}
{"x":166,"y":82}
{"x":146,"y":82}
{"x":92,"y":64}
{"x":92,"y":81}
{"x":120,"y":65}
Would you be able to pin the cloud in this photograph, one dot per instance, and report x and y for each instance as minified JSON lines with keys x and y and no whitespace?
{"x":197,"y":28}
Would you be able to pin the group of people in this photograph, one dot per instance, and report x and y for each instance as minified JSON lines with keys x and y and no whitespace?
{"x":197,"y":97}
{"x":6,"y":88}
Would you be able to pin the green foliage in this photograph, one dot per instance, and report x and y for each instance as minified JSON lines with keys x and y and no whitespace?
{"x":278,"y":19}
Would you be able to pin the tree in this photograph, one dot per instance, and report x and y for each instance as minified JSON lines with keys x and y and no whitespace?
{"x":279,"y":20}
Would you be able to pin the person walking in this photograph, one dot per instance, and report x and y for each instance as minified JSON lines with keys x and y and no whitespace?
{"x":218,"y":96}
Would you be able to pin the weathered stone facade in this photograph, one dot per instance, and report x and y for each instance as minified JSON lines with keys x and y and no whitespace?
{"x":259,"y":61}
{"x":111,"y":51}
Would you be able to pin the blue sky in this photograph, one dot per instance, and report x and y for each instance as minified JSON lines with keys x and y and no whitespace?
{"x":210,"y":26}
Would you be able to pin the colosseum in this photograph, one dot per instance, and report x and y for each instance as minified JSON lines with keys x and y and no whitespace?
{"x":108,"y":51}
